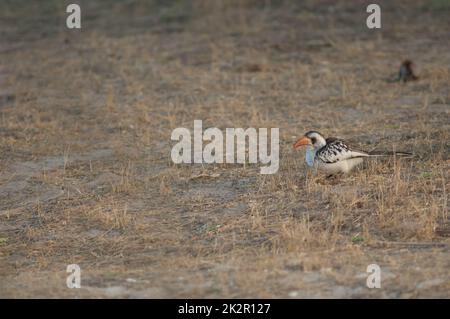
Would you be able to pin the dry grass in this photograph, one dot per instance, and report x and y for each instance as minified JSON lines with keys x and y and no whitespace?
{"x":86,"y":175}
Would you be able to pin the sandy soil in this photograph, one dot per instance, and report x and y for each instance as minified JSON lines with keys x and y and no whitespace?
{"x":85,"y":170}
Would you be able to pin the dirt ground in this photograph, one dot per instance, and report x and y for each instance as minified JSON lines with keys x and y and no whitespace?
{"x":85,"y":170}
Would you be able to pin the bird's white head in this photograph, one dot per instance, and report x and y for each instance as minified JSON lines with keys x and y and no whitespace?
{"x":311,"y":138}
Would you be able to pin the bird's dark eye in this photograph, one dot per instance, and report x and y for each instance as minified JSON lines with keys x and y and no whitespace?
{"x":313,"y":140}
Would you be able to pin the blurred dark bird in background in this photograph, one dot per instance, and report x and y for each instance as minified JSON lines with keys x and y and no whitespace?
{"x":405,"y":73}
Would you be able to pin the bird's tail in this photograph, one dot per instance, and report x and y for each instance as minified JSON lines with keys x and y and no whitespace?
{"x":391,"y":153}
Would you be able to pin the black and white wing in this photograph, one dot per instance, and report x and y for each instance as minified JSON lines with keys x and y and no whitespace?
{"x":336,"y":150}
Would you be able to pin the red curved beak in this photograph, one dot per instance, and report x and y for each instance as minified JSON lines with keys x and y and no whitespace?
{"x":302,"y":141}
